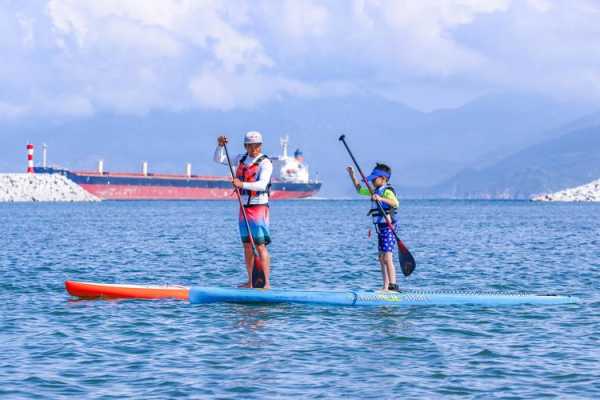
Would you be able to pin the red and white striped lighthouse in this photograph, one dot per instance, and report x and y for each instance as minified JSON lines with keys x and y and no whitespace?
{"x":30,"y":158}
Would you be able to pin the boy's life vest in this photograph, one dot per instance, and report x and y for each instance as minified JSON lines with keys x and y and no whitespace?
{"x":378,"y":217}
{"x":249,"y":173}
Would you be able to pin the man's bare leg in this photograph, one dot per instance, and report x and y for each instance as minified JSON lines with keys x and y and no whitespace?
{"x":249,"y":258}
{"x":263,"y":253}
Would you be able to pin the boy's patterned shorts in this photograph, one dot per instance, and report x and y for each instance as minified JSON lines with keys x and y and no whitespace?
{"x":386,"y":239}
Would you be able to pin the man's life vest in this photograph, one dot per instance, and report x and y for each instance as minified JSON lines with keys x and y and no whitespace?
{"x":378,"y":217}
{"x":249,"y":173}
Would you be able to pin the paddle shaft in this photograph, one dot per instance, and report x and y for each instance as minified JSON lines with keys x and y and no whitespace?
{"x":364,"y":178}
{"x":407,"y":261}
{"x":239,"y":197}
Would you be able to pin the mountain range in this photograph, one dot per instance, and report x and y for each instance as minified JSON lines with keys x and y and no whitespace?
{"x":485,"y":148}
{"x":569,"y":160}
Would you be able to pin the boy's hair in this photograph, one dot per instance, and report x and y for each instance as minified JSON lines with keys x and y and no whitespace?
{"x":384,"y":168}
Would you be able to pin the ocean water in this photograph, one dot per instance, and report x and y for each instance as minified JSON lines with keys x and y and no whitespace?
{"x":52,"y":346}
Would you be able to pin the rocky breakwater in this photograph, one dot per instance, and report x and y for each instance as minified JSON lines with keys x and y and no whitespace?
{"x":588,"y":192}
{"x":42,"y":187}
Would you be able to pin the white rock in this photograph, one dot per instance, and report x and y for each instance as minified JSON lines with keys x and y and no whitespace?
{"x":588,"y":192}
{"x":41,"y":187}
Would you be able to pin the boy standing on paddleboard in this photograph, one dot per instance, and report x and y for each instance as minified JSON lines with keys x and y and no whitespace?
{"x":386,"y":195}
{"x":253,"y":178}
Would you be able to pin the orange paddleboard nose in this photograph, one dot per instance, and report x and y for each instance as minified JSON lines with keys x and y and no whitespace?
{"x":92,"y":290}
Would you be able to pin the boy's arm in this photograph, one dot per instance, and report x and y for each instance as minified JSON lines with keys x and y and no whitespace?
{"x":390,"y":198}
{"x":363,"y":191}
{"x":355,"y":181}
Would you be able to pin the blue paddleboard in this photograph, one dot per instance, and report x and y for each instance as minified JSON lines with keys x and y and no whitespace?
{"x":200,"y":295}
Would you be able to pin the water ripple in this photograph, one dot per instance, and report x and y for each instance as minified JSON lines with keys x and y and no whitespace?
{"x":54,"y":347}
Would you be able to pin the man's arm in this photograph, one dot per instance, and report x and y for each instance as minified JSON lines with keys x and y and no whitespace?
{"x":264,"y":177}
{"x":220,"y":156}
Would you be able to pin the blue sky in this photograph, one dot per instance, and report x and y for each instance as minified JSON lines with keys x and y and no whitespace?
{"x":77,"y":58}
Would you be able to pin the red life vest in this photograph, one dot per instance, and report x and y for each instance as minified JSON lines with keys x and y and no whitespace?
{"x":249,"y":173}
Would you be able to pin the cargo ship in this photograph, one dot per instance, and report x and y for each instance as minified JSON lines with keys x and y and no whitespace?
{"x":290,"y":181}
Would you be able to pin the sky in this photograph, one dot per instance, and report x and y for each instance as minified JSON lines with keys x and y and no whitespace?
{"x":79,"y":58}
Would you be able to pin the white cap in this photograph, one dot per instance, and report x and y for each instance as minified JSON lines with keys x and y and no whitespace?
{"x":253,"y":137}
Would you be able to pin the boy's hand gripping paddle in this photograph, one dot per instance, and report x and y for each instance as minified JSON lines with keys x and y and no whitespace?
{"x":407,"y":261}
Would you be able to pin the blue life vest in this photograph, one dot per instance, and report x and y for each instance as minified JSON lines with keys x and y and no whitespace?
{"x":378,"y":217}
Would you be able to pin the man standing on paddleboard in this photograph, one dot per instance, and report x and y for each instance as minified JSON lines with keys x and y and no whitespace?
{"x":253,"y":179}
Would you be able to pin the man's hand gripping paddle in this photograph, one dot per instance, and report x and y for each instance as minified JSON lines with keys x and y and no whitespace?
{"x":258,"y":274}
{"x":407,"y":262}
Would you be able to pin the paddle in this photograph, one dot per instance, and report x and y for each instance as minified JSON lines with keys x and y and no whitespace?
{"x":258,"y":275}
{"x":407,"y":262}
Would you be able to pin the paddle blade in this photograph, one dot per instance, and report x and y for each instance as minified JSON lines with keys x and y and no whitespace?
{"x":258,"y":274}
{"x":407,"y":261}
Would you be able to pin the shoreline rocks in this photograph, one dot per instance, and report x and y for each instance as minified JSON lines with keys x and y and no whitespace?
{"x":588,"y":192}
{"x":41,"y":187}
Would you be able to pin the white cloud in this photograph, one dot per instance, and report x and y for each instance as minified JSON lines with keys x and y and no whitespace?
{"x":298,"y":19}
{"x":540,"y":5}
{"x":70,"y":105}
{"x":133,"y":56}
{"x":26,"y":25}
{"x":223,"y":90}
{"x":11,"y":111}
{"x":415,"y":35}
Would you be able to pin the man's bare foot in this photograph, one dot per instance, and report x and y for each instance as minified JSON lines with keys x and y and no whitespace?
{"x":245,"y":285}
{"x":267,"y":286}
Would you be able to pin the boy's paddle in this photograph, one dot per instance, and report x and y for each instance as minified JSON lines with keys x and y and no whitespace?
{"x":258,"y":274}
{"x":407,"y":262}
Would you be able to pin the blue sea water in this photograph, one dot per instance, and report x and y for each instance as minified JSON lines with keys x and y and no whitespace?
{"x":54,"y":347}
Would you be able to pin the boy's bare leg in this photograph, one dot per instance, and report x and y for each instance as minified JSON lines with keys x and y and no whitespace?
{"x":389,"y":263}
{"x":384,"y":271}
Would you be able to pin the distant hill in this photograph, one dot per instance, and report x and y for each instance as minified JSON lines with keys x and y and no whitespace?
{"x":567,"y":161}
{"x":423,"y":148}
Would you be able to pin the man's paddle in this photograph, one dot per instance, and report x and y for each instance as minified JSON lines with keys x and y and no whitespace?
{"x":407,"y":262}
{"x":258,"y":274}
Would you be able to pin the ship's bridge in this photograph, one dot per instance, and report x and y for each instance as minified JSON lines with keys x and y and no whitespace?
{"x":290,"y":169}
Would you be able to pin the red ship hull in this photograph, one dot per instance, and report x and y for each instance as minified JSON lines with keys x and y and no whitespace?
{"x":129,"y":192}
{"x":131,"y":186}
